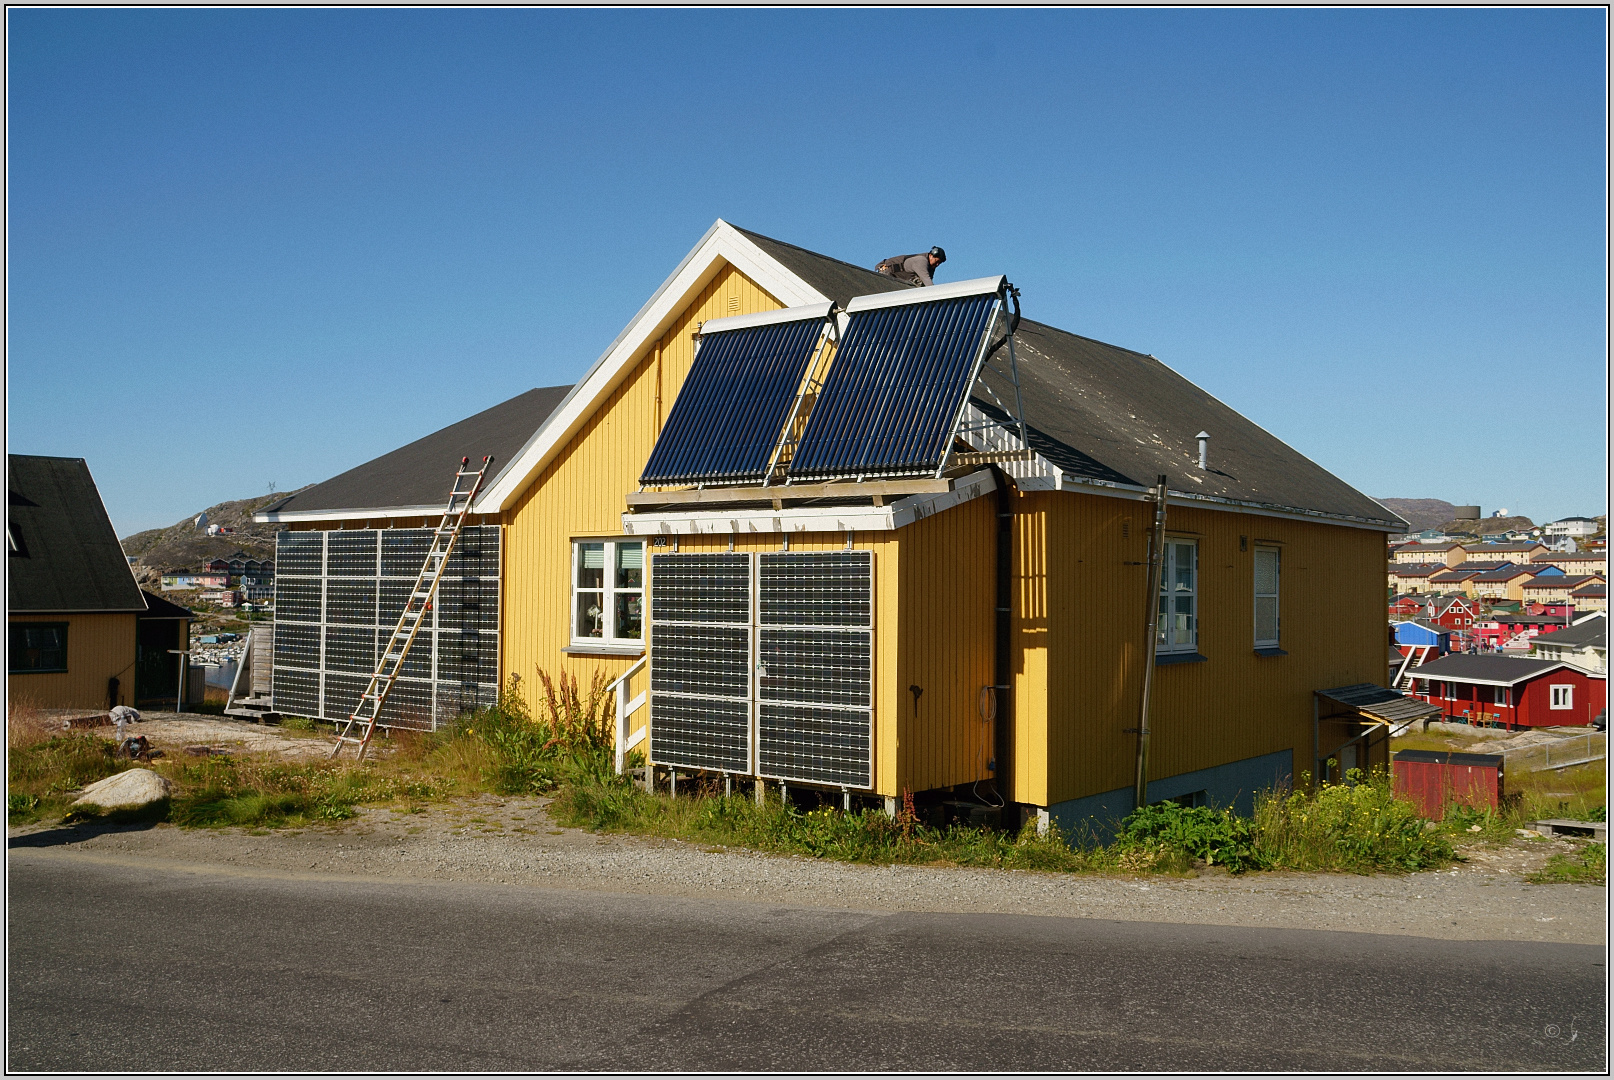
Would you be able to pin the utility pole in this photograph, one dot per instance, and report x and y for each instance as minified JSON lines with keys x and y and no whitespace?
{"x":1157,"y":553}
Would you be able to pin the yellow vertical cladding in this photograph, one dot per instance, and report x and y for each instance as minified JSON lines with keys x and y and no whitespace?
{"x":581,"y":492}
{"x":1236,"y":704}
{"x":99,"y":646}
{"x":945,"y":629}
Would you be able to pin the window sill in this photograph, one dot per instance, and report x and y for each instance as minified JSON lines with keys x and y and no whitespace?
{"x":603,"y":650}
{"x":1162,"y":659}
{"x":1272,"y":650}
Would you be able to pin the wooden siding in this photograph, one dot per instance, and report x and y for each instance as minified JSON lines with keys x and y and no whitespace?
{"x":582,"y":491}
{"x":945,"y":628}
{"x":99,"y":647}
{"x":1235,"y":705}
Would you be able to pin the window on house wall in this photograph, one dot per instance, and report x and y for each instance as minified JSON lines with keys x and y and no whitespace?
{"x":1563,"y":696}
{"x":608,"y":592}
{"x":1179,"y":593}
{"x":1501,"y":697}
{"x":37,"y":647}
{"x":1266,"y":597}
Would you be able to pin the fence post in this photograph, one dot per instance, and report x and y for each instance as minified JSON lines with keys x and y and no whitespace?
{"x":621,"y":725}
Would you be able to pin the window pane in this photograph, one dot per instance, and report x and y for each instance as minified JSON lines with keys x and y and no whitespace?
{"x":590,"y":566}
{"x":629,"y":565}
{"x":1266,"y":572}
{"x":628,"y":620}
{"x":590,"y":615}
{"x":1266,"y":618}
{"x":1163,"y":623}
{"x":1183,"y":568}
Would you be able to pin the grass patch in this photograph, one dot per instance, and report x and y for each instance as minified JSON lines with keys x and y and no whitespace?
{"x":1586,"y":866}
{"x":1357,"y":827}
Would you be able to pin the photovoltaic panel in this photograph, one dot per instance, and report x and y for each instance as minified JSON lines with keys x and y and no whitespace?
{"x":728,"y":418}
{"x":700,"y":661}
{"x":900,"y":376}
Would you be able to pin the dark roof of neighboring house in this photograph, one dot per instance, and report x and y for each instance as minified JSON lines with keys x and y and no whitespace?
{"x":1417,"y":569}
{"x":158,"y":608}
{"x":1569,"y":556}
{"x":1456,"y":574}
{"x":1560,"y":581}
{"x":1590,"y":632}
{"x":1487,"y":549}
{"x":420,"y":473}
{"x":1427,"y":547}
{"x":1596,"y":589}
{"x":1100,"y":412}
{"x":73,"y":560}
{"x":1505,"y":573}
{"x":1485,"y":667}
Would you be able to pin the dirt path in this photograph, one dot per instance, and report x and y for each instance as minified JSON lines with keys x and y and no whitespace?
{"x":513,"y":841}
{"x":171,"y":732}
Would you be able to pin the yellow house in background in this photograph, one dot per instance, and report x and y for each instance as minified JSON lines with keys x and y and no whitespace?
{"x":976,"y":632}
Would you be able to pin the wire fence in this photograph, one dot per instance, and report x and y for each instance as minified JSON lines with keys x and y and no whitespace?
{"x":1559,"y":753}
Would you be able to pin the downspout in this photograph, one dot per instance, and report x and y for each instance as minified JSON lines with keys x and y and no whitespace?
{"x":1157,"y":551}
{"x":1002,"y":663}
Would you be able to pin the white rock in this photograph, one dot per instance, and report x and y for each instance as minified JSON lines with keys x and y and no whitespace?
{"x":134,"y":788}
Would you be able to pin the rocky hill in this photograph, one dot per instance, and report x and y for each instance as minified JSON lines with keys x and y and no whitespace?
{"x":182,"y":546}
{"x":1422,"y":513}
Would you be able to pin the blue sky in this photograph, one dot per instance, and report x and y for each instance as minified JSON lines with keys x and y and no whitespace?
{"x":254,"y":247}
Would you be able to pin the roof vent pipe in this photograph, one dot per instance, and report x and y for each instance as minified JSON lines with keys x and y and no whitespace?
{"x":1204,"y":449}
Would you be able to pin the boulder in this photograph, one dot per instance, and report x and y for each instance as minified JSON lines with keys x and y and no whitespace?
{"x":125,"y":790}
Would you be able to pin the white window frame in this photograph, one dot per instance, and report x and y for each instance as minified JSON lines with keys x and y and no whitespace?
{"x":607,"y":593}
{"x":1564,"y":700}
{"x":1168,"y":574}
{"x":1500,"y":697}
{"x":1277,"y":589}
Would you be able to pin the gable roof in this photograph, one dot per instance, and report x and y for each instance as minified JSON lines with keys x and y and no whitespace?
{"x":66,"y":556}
{"x":1490,"y":668}
{"x":415,"y":479}
{"x":158,"y":608}
{"x":1108,"y":418}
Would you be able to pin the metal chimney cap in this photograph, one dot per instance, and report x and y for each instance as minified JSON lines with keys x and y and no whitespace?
{"x":1203,"y":435}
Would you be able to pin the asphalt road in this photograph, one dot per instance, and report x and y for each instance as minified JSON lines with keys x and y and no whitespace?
{"x":127,"y":967}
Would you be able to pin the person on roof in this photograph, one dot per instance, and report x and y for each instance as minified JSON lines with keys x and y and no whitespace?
{"x":914,"y":269}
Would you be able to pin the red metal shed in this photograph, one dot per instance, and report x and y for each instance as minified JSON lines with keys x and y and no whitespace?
{"x":1434,"y":779}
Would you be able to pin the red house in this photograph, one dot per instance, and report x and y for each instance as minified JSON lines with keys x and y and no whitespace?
{"x":1517,"y":626}
{"x":1454,"y":612}
{"x":1510,"y":691}
{"x":1407,"y":604}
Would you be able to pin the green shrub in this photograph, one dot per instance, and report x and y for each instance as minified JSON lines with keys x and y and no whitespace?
{"x":1587,"y":866}
{"x":1358,"y":826}
{"x":1218,"y":837}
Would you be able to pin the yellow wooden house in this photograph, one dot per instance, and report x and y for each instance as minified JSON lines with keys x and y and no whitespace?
{"x":980,"y":631}
{"x":74,"y":613}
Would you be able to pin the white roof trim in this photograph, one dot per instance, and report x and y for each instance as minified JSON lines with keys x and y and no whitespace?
{"x":980,"y":286}
{"x":902,"y":512}
{"x":372,"y":512}
{"x":768,"y":318}
{"x":722,"y":245}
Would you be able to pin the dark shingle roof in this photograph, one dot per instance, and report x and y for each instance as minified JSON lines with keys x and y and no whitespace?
{"x":158,"y":608}
{"x":1590,"y":632}
{"x":419,"y":474}
{"x":73,"y":560}
{"x":1101,"y":412}
{"x":1484,"y":667}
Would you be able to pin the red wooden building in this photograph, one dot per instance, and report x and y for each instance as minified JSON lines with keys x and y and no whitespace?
{"x":1511,"y":691}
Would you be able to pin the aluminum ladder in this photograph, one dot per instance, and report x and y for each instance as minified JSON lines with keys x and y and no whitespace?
{"x":387,"y":668}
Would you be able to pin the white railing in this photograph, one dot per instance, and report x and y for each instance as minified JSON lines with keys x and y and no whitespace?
{"x":625,"y":708}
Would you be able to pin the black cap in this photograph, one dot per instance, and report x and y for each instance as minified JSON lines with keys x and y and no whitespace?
{"x":941,"y":256}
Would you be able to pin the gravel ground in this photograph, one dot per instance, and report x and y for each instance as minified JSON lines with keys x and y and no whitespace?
{"x":513,"y":842}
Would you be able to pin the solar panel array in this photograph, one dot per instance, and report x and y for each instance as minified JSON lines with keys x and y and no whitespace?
{"x":810,"y":645}
{"x":815,"y":682}
{"x":892,"y":396}
{"x":339,"y":597}
{"x":700,"y":661}
{"x":732,"y":408}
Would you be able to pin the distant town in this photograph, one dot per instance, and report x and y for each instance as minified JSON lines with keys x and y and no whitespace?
{"x":1493,"y":621}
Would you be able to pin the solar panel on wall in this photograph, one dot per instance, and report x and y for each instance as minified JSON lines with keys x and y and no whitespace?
{"x":727,"y":420}
{"x":900,"y":376}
